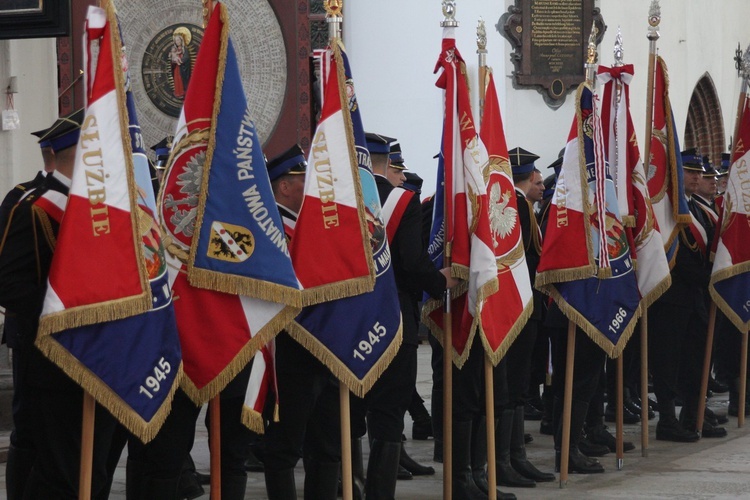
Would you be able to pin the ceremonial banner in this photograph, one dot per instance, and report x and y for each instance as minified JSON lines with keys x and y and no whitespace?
{"x":262,"y":381}
{"x":730,"y":279}
{"x":664,"y":174}
{"x":230,"y":269}
{"x":505,"y":313}
{"x":108,"y":320}
{"x":588,"y":271}
{"x":626,"y":168}
{"x":333,"y":221}
{"x":466,"y":168}
{"x":357,"y":336}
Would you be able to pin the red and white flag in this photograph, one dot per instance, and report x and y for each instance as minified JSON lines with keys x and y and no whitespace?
{"x":505,"y":313}
{"x":467,"y":218}
{"x":629,"y":176}
{"x":730,"y":279}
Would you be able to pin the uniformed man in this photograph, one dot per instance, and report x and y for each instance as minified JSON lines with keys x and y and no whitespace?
{"x":52,"y":402}
{"x":308,"y":424}
{"x":388,"y":400}
{"x":513,"y":468}
{"x":678,"y":322}
{"x":723,"y":174}
{"x":21,"y":449}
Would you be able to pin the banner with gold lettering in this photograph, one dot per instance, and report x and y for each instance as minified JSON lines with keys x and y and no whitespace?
{"x":230,"y":268}
{"x":355,"y":336}
{"x":108,"y":319}
{"x":730,"y":279}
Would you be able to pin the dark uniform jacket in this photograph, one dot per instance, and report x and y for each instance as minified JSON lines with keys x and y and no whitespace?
{"x":414,"y":271}
{"x":26,"y":249}
{"x":532,"y":244}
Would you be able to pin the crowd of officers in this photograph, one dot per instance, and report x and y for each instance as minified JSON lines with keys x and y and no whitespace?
{"x":45,"y":442}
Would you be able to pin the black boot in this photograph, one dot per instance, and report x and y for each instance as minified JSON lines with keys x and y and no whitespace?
{"x":668,"y":428}
{"x":518,"y":459}
{"x":321,"y":479}
{"x":689,"y":421}
{"x":478,"y":453}
{"x":421,"y":429}
{"x":734,"y":399}
{"x":577,"y":461}
{"x":464,"y":487}
{"x":358,"y":470}
{"x":233,"y":487}
{"x":280,"y":484}
{"x":599,"y":435}
{"x":412,"y":466}
{"x":506,"y":474}
{"x":17,"y":470}
{"x":382,"y":469}
{"x":189,"y":485}
{"x":252,"y":462}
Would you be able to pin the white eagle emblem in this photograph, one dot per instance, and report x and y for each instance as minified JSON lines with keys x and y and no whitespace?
{"x":502,"y":217}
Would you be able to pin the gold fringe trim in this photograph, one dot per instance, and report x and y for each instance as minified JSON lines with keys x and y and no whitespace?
{"x":628,"y":220}
{"x":204,"y":394}
{"x":338,"y":368}
{"x":460,"y":271}
{"x":583,"y":183}
{"x":127,"y":148}
{"x":604,"y":272}
{"x":253,"y":420}
{"x":104,"y":395}
{"x":338,"y":290}
{"x":612,"y":350}
{"x":100,"y":312}
{"x":496,"y":356}
{"x":430,"y":306}
{"x":242,"y":285}
{"x":656,"y":292}
{"x":211,"y":146}
{"x":722,"y":304}
{"x":545,"y":279}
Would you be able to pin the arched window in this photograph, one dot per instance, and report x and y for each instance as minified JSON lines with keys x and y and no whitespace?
{"x":704,"y":128}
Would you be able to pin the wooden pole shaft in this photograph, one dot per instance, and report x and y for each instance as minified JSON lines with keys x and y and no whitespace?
{"x":447,"y":401}
{"x":567,"y":404}
{"x":649,"y":103}
{"x":346,"y":443}
{"x":214,"y":407}
{"x":87,"y":447}
{"x":644,"y":384}
{"x":619,"y":448}
{"x":489,"y":398}
{"x":743,"y":381}
{"x":706,"y":366}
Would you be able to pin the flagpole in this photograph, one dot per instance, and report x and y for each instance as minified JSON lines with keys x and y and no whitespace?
{"x":449,"y":21}
{"x":567,"y":404}
{"x":706,"y":366}
{"x":743,"y":381}
{"x":87,"y":447}
{"x":489,"y":391}
{"x":654,"y":18}
{"x":334,"y":19}
{"x":570,"y":358}
{"x":745,"y":69}
{"x":214,"y":408}
{"x":619,"y":418}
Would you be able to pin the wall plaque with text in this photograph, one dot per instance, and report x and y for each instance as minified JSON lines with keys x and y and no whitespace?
{"x":549,"y":38}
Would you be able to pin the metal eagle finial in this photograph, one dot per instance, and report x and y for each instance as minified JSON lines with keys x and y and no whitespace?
{"x":449,"y":11}
{"x":619,"y":52}
{"x":481,"y":36}
{"x":654,"y":18}
{"x":333,"y":7}
{"x":746,"y":64}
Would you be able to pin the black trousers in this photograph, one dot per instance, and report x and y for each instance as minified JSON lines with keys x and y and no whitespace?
{"x":588,"y":364}
{"x":519,"y":359}
{"x":309,"y":420}
{"x":677,"y":341}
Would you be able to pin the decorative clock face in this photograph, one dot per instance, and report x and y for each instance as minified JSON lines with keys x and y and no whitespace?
{"x":162,"y":39}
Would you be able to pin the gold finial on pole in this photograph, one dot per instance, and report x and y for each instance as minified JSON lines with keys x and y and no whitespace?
{"x":482,"y":54}
{"x":334,"y":17}
{"x":591,"y":56}
{"x":208,"y":7}
{"x":449,"y":11}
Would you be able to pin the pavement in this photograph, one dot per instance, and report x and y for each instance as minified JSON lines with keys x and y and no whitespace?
{"x":708,"y":469}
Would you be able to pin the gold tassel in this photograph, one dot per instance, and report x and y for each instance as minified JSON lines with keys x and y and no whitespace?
{"x":242,"y":285}
{"x":252,"y":420}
